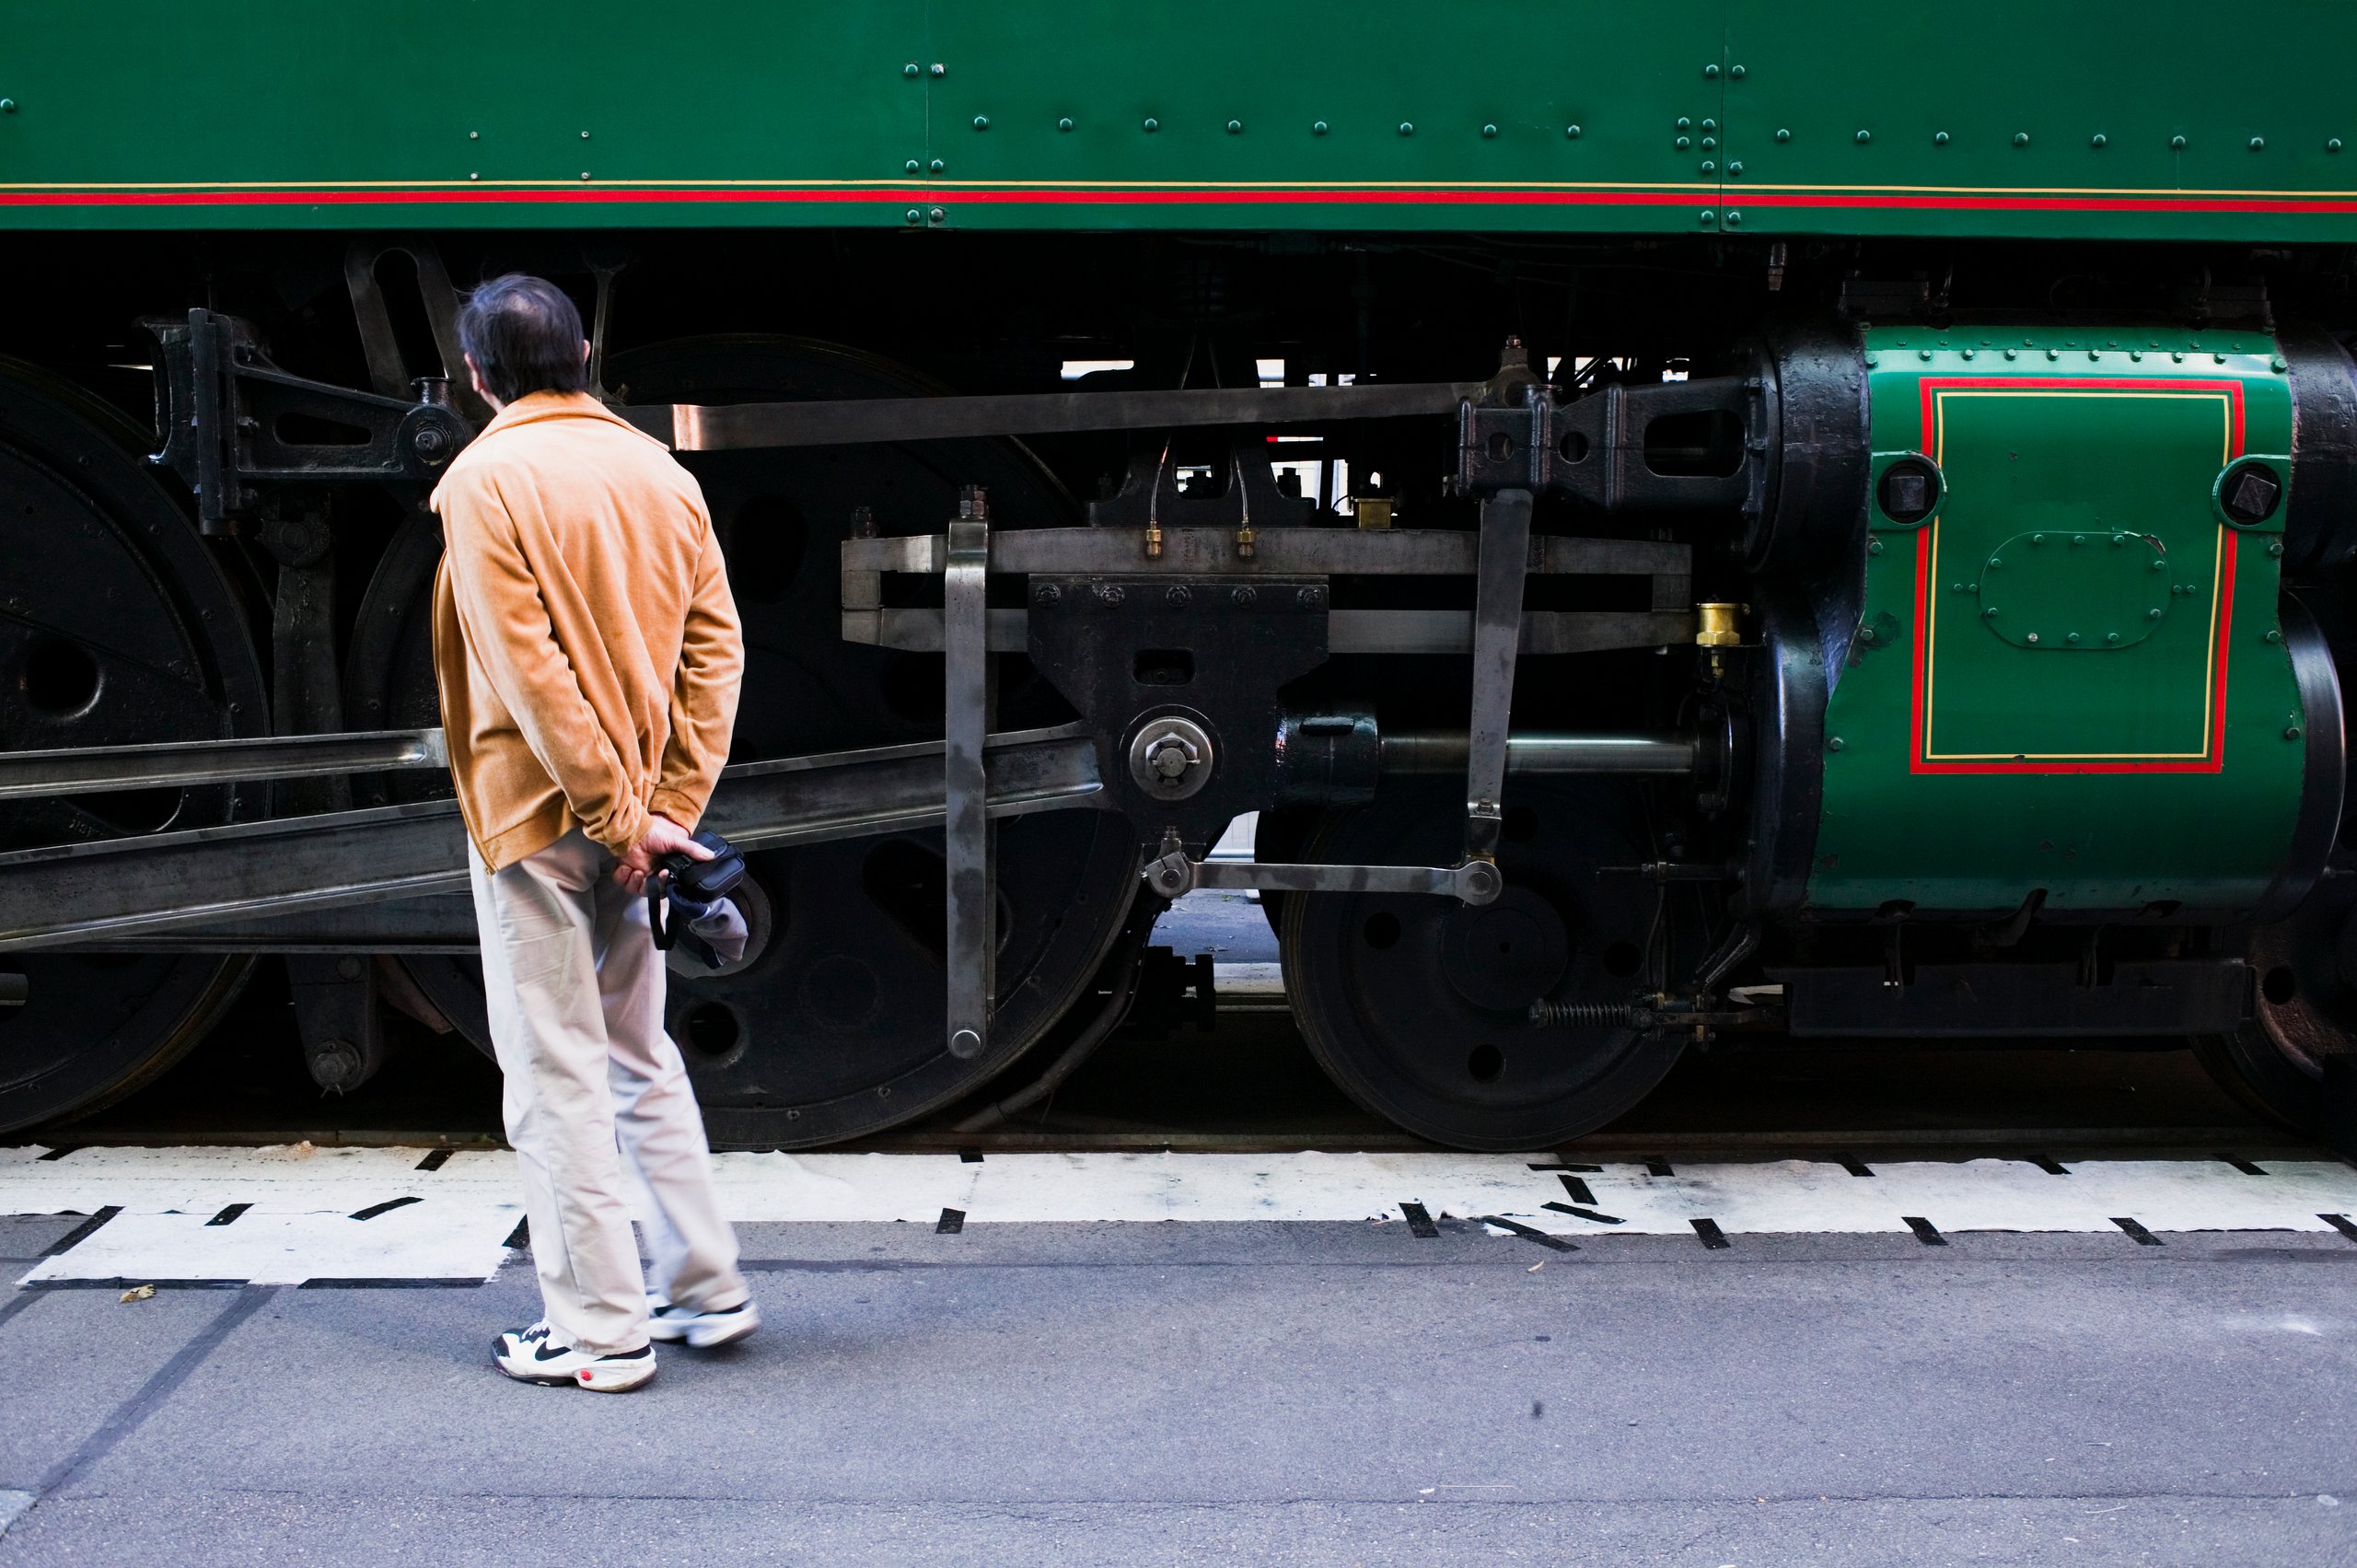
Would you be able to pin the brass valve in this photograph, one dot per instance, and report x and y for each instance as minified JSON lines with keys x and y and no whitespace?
{"x":1717,"y":627}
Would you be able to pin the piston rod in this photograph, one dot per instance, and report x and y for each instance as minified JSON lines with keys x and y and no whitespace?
{"x":1336,"y":758}
{"x":1442,"y":751}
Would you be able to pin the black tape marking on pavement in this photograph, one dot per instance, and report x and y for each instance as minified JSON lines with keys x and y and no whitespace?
{"x":81,"y":1232}
{"x":434,"y":1159}
{"x":155,"y":1392}
{"x":1531,"y":1233}
{"x":1577,"y":1188}
{"x":1657,"y":1166}
{"x":2341,"y":1224}
{"x":2144,"y":1237}
{"x":387,"y":1207}
{"x":16,"y":1304}
{"x":229,"y":1215}
{"x":58,"y":1154}
{"x":1590,"y":1169}
{"x":1855,"y":1165}
{"x":1925,"y":1231}
{"x":1577,"y":1213}
{"x":952,"y":1221}
{"x":2242,"y":1165}
{"x":2052,"y":1166}
{"x":520,"y":1237}
{"x":1419,"y":1221}
{"x":333,"y":1284}
{"x":970,"y":1156}
{"x":1712,"y":1235}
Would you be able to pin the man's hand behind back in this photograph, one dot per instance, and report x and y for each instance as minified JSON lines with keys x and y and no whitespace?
{"x":662,"y":837}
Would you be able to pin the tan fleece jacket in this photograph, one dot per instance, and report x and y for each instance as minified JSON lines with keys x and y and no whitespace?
{"x":584,"y":640}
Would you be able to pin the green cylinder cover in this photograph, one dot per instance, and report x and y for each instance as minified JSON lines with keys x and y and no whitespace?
{"x":2070,"y":674}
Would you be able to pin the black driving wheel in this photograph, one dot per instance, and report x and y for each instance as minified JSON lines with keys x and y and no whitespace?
{"x":2304,"y":1012}
{"x":117,"y":625}
{"x":1419,"y":1006}
{"x":834,"y":1024}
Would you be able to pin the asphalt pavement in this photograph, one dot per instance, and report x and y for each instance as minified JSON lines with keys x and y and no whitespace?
{"x":1249,"y":1393}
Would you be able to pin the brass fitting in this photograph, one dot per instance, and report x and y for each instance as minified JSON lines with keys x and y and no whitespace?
{"x":1374,"y":511}
{"x":1718,"y":625}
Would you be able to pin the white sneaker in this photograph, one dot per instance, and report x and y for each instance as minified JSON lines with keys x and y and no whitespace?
{"x":534,"y":1355}
{"x":702,"y":1329}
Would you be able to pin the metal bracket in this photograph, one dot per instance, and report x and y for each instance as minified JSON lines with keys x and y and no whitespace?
{"x":233,"y":422}
{"x":1594,"y":448}
{"x":335,"y":1012}
{"x":1472,"y":881}
{"x":972,"y":891}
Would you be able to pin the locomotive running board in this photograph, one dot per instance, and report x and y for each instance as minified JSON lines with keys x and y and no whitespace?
{"x":175,"y":889}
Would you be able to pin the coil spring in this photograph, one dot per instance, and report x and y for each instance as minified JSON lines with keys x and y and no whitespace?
{"x":1582,"y":1015}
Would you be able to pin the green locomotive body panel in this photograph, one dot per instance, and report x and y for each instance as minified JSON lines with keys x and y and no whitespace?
{"x":2071,"y":676}
{"x":1545,"y":115}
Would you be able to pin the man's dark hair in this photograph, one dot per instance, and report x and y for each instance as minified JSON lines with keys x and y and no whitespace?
{"x":525,"y":337}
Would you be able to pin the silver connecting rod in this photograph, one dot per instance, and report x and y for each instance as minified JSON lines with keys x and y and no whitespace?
{"x":182,"y":764}
{"x":1444,"y":752}
{"x":204,"y":878}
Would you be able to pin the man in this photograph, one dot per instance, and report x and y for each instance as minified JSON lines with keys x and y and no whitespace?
{"x":589,"y":657}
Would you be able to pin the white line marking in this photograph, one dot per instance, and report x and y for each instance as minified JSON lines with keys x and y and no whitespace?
{"x":298,"y":1225}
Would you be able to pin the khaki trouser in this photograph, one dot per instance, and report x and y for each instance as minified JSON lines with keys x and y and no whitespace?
{"x":575,"y":991}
